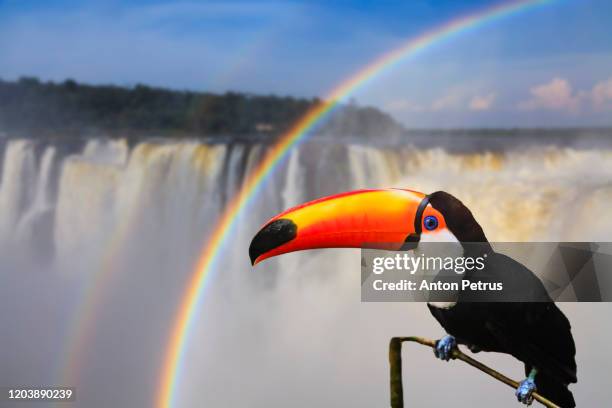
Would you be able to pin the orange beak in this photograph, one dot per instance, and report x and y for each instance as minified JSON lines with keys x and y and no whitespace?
{"x":388,"y":218}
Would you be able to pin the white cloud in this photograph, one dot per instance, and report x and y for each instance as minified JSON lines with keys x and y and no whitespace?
{"x":555,"y":95}
{"x":455,"y":99}
{"x":601,"y":95}
{"x":482,"y":103}
{"x":558,"y":95}
{"x":452,"y":100}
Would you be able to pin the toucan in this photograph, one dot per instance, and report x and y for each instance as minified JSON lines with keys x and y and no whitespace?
{"x":534,"y":332}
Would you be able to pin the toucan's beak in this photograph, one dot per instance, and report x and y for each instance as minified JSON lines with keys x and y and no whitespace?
{"x":357,"y":219}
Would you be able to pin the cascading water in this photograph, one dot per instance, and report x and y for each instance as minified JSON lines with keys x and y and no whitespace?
{"x":129,"y":223}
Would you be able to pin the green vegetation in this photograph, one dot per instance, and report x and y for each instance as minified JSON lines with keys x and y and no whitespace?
{"x":31,"y":107}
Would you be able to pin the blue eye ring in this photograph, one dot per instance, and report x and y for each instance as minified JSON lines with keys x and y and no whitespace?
{"x":430,"y":223}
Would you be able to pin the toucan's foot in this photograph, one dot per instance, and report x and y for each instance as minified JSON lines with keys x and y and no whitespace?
{"x":444,"y":347}
{"x":524,"y":392}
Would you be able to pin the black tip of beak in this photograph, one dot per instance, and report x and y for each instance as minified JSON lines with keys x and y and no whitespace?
{"x":272,"y":235}
{"x":411,"y":242}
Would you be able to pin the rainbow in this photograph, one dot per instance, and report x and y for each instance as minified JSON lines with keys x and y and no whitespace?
{"x":91,"y":299}
{"x":210,"y":256}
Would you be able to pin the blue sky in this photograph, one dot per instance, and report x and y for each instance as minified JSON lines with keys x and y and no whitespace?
{"x":549,"y":66}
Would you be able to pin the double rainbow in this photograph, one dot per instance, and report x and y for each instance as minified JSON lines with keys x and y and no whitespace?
{"x":299,"y":132}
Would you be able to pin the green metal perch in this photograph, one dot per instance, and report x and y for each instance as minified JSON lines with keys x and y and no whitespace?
{"x":395,"y":360}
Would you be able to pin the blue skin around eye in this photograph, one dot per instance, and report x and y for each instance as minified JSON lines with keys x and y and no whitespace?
{"x":524,"y":390}
{"x":430,"y":222}
{"x":444,"y":347}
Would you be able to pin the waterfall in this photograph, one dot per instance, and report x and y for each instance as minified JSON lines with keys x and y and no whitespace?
{"x":294,"y":326}
{"x":17,"y":188}
{"x":83,"y":198}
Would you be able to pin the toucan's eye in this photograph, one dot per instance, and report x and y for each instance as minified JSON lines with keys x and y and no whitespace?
{"x":430,"y":222}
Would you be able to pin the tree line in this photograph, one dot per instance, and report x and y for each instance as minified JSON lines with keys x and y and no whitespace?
{"x":30,"y":105}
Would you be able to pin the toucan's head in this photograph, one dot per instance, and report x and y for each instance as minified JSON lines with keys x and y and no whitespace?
{"x":387,"y":218}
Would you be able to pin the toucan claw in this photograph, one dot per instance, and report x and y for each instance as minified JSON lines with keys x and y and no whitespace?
{"x":444,"y":347}
{"x":524,"y":392}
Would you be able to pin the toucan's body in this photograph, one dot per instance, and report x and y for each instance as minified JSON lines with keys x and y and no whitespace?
{"x":534,"y":330}
{"x":536,"y":333}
